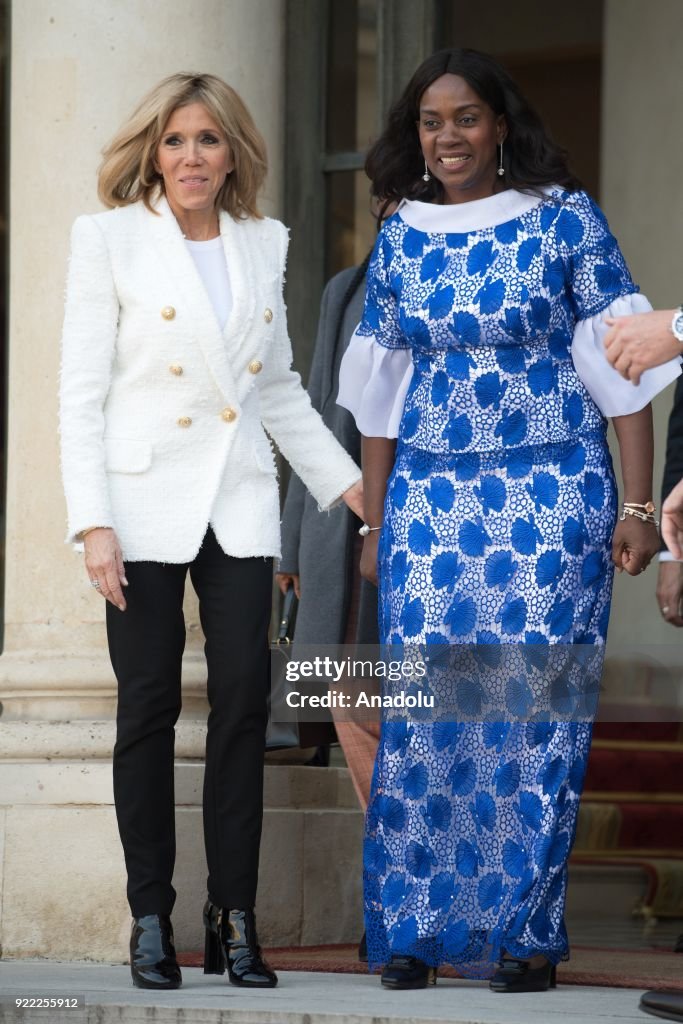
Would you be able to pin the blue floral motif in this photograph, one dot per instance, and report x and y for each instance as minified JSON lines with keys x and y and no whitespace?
{"x":500,"y":569}
{"x":463,"y":776}
{"x":473,"y":537}
{"x":446,"y":570}
{"x":490,"y":296}
{"x":441,"y":494}
{"x":400,"y":570}
{"x":490,"y":390}
{"x":440,"y":302}
{"x":458,"y":364}
{"x":466,"y":329}
{"x":491,"y":493}
{"x":497,"y":535}
{"x":480,"y":258}
{"x":526,"y":252}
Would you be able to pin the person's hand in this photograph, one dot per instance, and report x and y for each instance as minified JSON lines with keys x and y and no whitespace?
{"x":636,"y":343}
{"x":670,"y":591}
{"x":353,"y":497}
{"x":672,"y":521}
{"x":286,"y":580}
{"x":634,"y":545}
{"x":104,"y":562}
{"x":368,"y":558}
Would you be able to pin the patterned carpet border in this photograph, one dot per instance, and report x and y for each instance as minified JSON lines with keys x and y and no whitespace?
{"x":611,"y":968}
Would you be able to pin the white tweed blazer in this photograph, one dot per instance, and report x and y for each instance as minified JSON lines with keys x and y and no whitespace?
{"x":162,"y":413}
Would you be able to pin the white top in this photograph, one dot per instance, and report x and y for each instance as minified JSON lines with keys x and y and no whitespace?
{"x":209,"y":259}
{"x":374,"y":379}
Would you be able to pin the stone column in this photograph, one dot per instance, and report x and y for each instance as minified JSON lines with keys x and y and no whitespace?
{"x":642,"y":189}
{"x":78,"y":68}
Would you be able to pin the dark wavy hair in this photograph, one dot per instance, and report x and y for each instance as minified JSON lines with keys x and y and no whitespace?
{"x":531,"y":159}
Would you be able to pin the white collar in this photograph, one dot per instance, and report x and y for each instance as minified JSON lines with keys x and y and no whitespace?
{"x":472,"y":216}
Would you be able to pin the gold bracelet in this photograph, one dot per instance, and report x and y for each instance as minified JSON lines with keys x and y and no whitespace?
{"x":645,"y":517}
{"x":84,"y":533}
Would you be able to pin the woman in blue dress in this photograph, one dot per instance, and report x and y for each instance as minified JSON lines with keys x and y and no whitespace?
{"x":478,"y":381}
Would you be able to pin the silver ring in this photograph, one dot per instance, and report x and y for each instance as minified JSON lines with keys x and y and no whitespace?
{"x":95,"y":583}
{"x":665,"y":609}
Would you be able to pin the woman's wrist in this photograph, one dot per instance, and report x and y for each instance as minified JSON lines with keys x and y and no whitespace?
{"x":89,"y":529}
{"x":366,"y":529}
{"x":643,"y":511}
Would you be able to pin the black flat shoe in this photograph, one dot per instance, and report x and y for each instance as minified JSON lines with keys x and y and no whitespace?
{"x":153,"y":962}
{"x":363,"y":949}
{"x":231,"y":942}
{"x":517,"y":976}
{"x":408,"y":972}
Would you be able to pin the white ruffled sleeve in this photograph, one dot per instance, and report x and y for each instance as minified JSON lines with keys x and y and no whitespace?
{"x":613,"y":395}
{"x":373,"y":383}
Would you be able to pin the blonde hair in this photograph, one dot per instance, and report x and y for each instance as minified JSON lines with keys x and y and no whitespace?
{"x":127,"y":173}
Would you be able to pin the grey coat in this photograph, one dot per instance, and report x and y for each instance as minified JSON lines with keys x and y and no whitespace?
{"x":318,"y":545}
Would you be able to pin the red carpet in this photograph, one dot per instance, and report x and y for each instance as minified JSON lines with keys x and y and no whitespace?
{"x":614,"y":968}
{"x":632,"y":807}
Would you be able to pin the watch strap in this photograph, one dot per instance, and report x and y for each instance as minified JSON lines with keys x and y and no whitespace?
{"x":677,"y":324}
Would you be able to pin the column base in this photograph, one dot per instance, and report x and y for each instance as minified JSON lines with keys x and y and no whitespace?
{"x":62,"y":877}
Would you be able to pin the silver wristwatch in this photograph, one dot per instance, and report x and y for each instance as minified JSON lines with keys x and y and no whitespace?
{"x":677,"y":324}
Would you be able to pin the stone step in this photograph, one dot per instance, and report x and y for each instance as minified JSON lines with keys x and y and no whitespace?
{"x":300,"y":998}
{"x":605,"y":907}
{"x":657,"y":772}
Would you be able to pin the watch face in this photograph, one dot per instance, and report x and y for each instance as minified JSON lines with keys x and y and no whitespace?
{"x":677,"y":325}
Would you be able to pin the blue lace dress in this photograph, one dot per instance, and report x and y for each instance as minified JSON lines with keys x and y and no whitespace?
{"x":497,"y":529}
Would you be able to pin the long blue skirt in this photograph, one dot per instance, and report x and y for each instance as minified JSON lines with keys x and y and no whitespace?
{"x":470,"y":823}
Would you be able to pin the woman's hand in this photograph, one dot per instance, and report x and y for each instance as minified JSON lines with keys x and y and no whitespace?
{"x":104,"y":563}
{"x":672,"y":521}
{"x":638,"y":342}
{"x":286,"y":580}
{"x":368,"y":558}
{"x":353,"y":497}
{"x":634,"y":545}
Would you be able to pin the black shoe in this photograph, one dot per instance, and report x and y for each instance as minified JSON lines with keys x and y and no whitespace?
{"x":231,"y":942}
{"x":153,"y":962}
{"x":667,"y":1005}
{"x":363,"y":949}
{"x":517,"y":976}
{"x":408,"y":972}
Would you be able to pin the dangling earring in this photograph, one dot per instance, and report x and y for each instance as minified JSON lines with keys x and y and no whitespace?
{"x":501,"y":170}
{"x":426,"y":176}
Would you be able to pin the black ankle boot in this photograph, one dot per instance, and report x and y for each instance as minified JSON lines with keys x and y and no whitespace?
{"x":231,"y":942}
{"x":153,"y":962}
{"x":407,"y":972}
{"x":517,"y":976}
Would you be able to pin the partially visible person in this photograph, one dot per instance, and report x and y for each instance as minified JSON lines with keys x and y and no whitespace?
{"x":665,"y":1005}
{"x":633,"y":345}
{"x":672,"y":521}
{"x":320,"y":550}
{"x":670,"y":578}
{"x":637,"y":343}
{"x":176,"y":360}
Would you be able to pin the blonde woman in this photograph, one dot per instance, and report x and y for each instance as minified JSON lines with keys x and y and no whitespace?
{"x":175,"y":358}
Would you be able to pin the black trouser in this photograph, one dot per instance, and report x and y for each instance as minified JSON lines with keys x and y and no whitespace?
{"x":146,"y":645}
